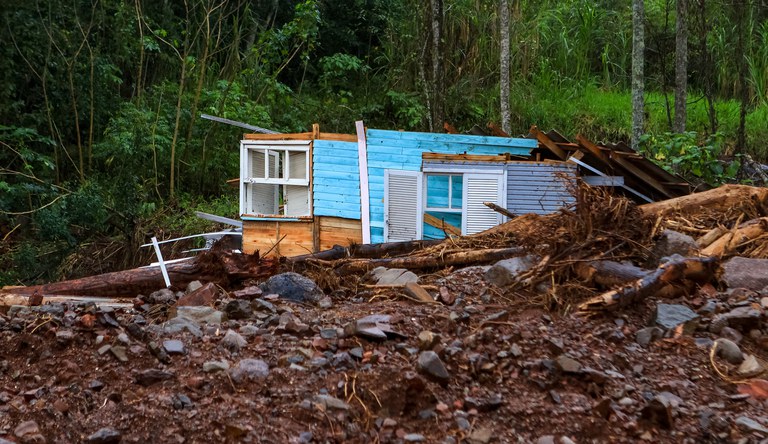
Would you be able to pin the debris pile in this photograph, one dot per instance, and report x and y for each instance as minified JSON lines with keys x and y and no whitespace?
{"x":607,"y":322}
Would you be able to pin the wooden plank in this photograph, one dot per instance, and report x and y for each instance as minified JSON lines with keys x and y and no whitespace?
{"x":642,"y":175}
{"x":441,"y":225}
{"x":548,"y":143}
{"x":592,"y":148}
{"x":418,"y":146}
{"x":339,"y":222}
{"x":466,"y":157}
{"x":338,"y":137}
{"x":365,"y":210}
{"x":452,"y":138}
{"x":294,"y":136}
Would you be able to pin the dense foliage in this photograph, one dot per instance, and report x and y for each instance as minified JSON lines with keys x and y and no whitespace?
{"x":100,"y":100}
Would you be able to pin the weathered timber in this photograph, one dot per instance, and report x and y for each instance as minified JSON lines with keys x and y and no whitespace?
{"x":608,"y":274}
{"x":220,"y":267}
{"x":365,"y":251}
{"x":8,"y":299}
{"x":673,"y":273}
{"x":352,"y":266}
{"x":501,"y":210}
{"x":731,"y":240}
{"x":441,"y":224}
{"x":719,"y":199}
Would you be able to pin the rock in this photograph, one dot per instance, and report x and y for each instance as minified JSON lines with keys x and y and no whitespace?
{"x":446,"y":296}
{"x":249,"y":293}
{"x":64,"y":337}
{"x":215,"y":366}
{"x":28,"y":432}
{"x":291,"y":324}
{"x":104,"y":436}
{"x":329,"y":402}
{"x":417,"y":292}
{"x":199,"y":315}
{"x":174,"y":347}
{"x":177,"y":325}
{"x":429,"y":362}
{"x":566,"y":364}
{"x":393,"y":276}
{"x":164,"y":296}
{"x":192,"y":286}
{"x":152,"y":376}
{"x":745,"y":273}
{"x":645,"y":336}
{"x":181,"y":401}
{"x":671,"y":242}
{"x":119,"y":352}
{"x":749,"y":367}
{"x":232,"y":341}
{"x":249,"y":370}
{"x":202,"y":295}
{"x":728,"y":350}
{"x":238,"y":309}
{"x":481,"y":435}
{"x":506,"y":271}
{"x":743,"y":318}
{"x":414,"y":437}
{"x":670,"y":316}
{"x":159,"y":352}
{"x":732,"y":334}
{"x":427,"y":340}
{"x":294,"y":287}
{"x":659,"y":412}
{"x":750,"y":425}
{"x":375,"y":326}
{"x":546,"y":439}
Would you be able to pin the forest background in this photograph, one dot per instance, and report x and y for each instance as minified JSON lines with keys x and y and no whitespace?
{"x":102,"y":144}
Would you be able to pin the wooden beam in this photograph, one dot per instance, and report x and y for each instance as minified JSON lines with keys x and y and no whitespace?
{"x":294,"y":136}
{"x":365,"y":201}
{"x":642,"y":175}
{"x":501,"y":210}
{"x":496,"y":130}
{"x":548,"y":143}
{"x":440,"y":224}
{"x":450,"y":128}
{"x":592,"y":148}
{"x":466,"y":157}
{"x":338,"y":137}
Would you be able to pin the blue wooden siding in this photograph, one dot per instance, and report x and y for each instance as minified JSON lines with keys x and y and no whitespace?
{"x":538,"y":187}
{"x":402,"y":151}
{"x":336,"y":179}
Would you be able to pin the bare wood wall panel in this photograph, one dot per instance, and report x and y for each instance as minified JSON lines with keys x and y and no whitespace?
{"x":338,"y":231}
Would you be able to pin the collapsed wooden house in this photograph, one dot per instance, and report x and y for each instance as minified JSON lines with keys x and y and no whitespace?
{"x":306,"y":192}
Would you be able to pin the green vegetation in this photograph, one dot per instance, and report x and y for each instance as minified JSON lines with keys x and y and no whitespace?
{"x":101,"y":143}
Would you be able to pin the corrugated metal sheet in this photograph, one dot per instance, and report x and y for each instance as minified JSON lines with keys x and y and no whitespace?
{"x":538,"y":187}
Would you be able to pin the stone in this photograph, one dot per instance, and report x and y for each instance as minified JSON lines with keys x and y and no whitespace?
{"x":233,"y":341}
{"x":414,"y":437}
{"x":393,"y":276}
{"x":249,"y":370}
{"x":28,"y":432}
{"x":249,"y":293}
{"x":293,"y":287}
{"x":670,"y":316}
{"x":671,"y":242}
{"x":743,"y":318}
{"x":375,"y":326}
{"x":262,"y":305}
{"x":177,"y":325}
{"x":202,"y":295}
{"x":749,"y":367}
{"x":506,"y":271}
{"x":728,"y":350}
{"x":152,"y":376}
{"x":329,"y":402}
{"x":215,"y":366}
{"x":181,"y":401}
{"x":417,"y":292}
{"x":105,"y":435}
{"x":429,"y":362}
{"x":238,"y":309}
{"x":119,"y":352}
{"x":64,"y":337}
{"x":659,"y":412}
{"x":546,"y":439}
{"x":750,"y":425}
{"x":481,"y":435}
{"x":645,"y":336}
{"x":742,"y":272}
{"x":159,"y":352}
{"x":163,"y":296}
{"x":174,"y":347}
{"x":192,"y":286}
{"x":199,"y":315}
{"x":732,"y":334}
{"x":566,"y":364}
{"x":427,"y":340}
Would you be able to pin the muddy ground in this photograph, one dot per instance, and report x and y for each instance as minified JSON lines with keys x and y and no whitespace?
{"x":485,"y":367}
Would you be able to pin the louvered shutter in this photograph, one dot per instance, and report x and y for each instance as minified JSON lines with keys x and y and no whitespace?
{"x":296,"y":200}
{"x":402,"y":205}
{"x":479,"y":188}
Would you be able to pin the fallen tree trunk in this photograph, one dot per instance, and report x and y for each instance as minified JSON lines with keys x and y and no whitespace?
{"x":608,"y":274}
{"x":365,"y":251}
{"x":731,"y":240}
{"x":218,"y":267}
{"x":469,"y":257}
{"x":673,"y":273}
{"x":726,"y":197}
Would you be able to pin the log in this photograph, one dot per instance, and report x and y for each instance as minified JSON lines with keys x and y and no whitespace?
{"x":215,"y":266}
{"x":710,"y":236}
{"x":365,"y":251}
{"x":731,"y":240}
{"x":608,"y":274}
{"x":353,"y":266}
{"x":501,"y":210}
{"x":726,"y":197}
{"x":8,"y":299}
{"x":676,"y":272}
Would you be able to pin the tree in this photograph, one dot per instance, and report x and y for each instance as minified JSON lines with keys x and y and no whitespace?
{"x":437,"y":77}
{"x":681,"y":65}
{"x":638,"y":61}
{"x":504,"y":81}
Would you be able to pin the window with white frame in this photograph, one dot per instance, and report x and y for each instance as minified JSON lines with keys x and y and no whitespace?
{"x":274,"y":178}
{"x":444,"y":192}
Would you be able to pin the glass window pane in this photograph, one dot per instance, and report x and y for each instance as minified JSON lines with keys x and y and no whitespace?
{"x":457,"y":191}
{"x":437,"y":191}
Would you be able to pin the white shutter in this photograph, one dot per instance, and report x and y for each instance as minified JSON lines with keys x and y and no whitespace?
{"x":261,"y":198}
{"x":403,"y":212}
{"x":296,"y":200}
{"x":479,"y":188}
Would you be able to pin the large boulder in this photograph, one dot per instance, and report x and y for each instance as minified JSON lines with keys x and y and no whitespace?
{"x":743,"y":272}
{"x":294,"y":287}
{"x":506,"y":271}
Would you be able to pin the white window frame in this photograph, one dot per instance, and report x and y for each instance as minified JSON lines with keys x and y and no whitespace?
{"x":451,"y":176}
{"x":274,"y":150}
